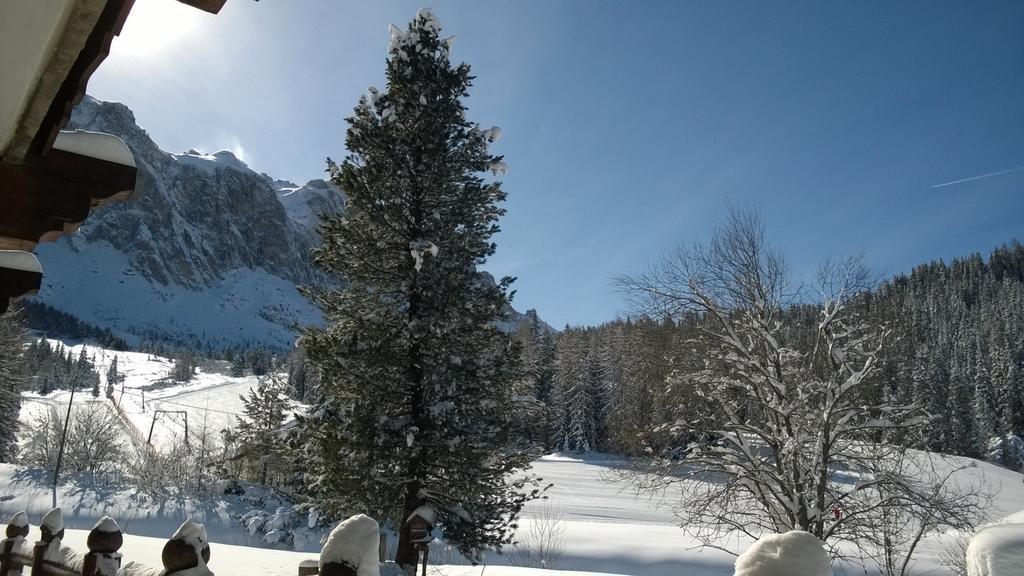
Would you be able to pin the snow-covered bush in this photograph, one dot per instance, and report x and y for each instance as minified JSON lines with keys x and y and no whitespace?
{"x":997,"y":551}
{"x":1007,"y":451}
{"x":272,"y":520}
{"x":354,"y":543}
{"x":794,"y":553}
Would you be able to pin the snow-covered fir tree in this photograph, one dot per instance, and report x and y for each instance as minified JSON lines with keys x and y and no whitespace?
{"x":238,"y":365}
{"x":114,"y":377}
{"x":12,"y":380}
{"x":258,"y":433}
{"x":417,"y":386}
{"x":184,"y":368}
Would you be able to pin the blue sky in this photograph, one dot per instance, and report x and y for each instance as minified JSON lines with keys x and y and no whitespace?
{"x":627,"y":125}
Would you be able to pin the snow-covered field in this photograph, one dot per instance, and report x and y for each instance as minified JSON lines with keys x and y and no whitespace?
{"x":211,"y":401}
{"x":607,"y":527}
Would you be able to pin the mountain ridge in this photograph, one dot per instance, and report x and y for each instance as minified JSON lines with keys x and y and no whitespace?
{"x":205,"y":253}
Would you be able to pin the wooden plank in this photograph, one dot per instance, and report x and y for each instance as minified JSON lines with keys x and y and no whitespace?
{"x":96,"y":49}
{"x":211,"y":6}
{"x":15,"y":284}
{"x":50,"y":196}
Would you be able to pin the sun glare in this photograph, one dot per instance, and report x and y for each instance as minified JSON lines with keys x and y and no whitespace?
{"x":154,"y":27}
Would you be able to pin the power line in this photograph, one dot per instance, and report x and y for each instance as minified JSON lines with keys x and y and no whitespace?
{"x":173,"y":403}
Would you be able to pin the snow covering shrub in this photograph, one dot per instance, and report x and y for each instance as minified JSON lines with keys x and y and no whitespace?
{"x":354,"y":543}
{"x":795,"y":553}
{"x":1007,"y":451}
{"x":272,"y":520}
{"x":997,"y":551}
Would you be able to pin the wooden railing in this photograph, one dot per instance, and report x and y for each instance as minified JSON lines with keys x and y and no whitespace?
{"x":186,"y":553}
{"x":49,"y":557}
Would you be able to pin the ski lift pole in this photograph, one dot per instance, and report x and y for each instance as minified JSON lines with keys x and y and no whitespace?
{"x":63,"y":440}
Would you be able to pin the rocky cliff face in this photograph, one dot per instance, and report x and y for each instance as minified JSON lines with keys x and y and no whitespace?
{"x":206,"y":251}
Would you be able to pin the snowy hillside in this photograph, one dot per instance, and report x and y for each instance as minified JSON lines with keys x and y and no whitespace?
{"x":206,"y":251}
{"x":607,"y":527}
{"x":212,"y":400}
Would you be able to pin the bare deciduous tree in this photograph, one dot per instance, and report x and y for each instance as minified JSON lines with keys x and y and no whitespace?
{"x":94,"y":439}
{"x":792,"y":434}
{"x":542,"y":545}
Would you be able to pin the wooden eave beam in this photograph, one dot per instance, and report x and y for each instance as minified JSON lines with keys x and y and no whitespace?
{"x":17,"y":283}
{"x":211,"y":6}
{"x":95,"y":50}
{"x":51,"y":195}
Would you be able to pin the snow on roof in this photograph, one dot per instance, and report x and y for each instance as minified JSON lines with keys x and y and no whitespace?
{"x":95,"y":145}
{"x":996,"y":551}
{"x":426,"y":512}
{"x":53,"y":520}
{"x":795,"y":552}
{"x":354,"y":542}
{"x":19,"y":260}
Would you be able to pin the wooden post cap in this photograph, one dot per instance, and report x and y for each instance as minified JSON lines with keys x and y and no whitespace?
{"x":52,"y":526}
{"x":105,"y":537}
{"x":180,"y":551}
{"x":17,"y":526}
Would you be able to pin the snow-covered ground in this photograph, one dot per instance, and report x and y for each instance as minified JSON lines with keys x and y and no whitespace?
{"x":212,"y":400}
{"x":607,"y":527}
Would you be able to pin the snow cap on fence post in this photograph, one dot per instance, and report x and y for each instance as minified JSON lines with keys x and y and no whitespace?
{"x":352,"y":548}
{"x":17,"y":526}
{"x":188,"y":550}
{"x":17,"y":530}
{"x":795,"y":552}
{"x":52,"y":525}
{"x":51,"y":532}
{"x":104,"y":541}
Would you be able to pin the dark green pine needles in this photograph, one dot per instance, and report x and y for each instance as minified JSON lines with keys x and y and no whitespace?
{"x":418,"y":406}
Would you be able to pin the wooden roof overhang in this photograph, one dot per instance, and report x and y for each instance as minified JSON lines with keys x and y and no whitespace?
{"x":47,"y":189}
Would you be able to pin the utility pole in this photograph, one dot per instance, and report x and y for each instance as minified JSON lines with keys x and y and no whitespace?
{"x":63,"y":440}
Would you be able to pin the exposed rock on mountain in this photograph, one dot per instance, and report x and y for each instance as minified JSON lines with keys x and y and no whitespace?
{"x":206,"y":250}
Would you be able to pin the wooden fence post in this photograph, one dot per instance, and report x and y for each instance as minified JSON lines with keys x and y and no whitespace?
{"x":51,"y":530}
{"x":187,"y":550}
{"x":17,"y":530}
{"x":337,"y":569}
{"x":104,"y":541}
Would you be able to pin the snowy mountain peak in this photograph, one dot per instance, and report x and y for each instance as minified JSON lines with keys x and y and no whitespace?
{"x":204,"y":252}
{"x":304,"y":204}
{"x":220,"y":159}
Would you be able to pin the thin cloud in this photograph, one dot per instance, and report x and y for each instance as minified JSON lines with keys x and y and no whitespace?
{"x":979,"y":177}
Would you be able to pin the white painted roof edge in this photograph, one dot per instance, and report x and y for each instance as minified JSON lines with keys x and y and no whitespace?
{"x":95,"y":145}
{"x":19,"y":260}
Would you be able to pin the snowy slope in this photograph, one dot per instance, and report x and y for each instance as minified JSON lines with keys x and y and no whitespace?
{"x":205,"y":252}
{"x":608,"y":528}
{"x":212,"y":399}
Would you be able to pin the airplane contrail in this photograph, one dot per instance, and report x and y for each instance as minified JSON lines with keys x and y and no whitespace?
{"x":973,"y":178}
